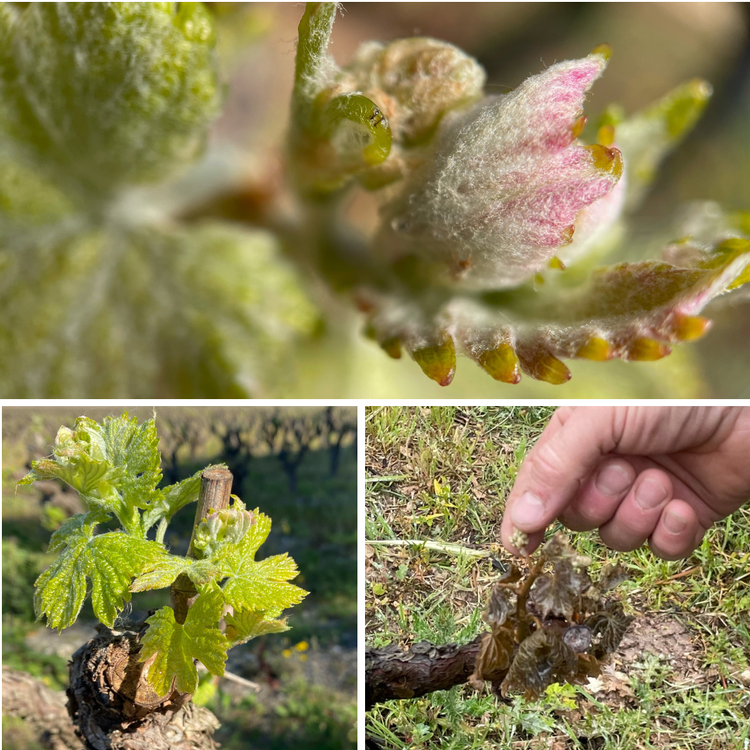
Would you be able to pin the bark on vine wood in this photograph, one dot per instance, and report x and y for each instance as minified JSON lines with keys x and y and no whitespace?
{"x":42,"y":709}
{"x":391,"y":673}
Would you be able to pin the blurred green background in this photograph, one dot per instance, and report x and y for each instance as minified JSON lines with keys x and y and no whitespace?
{"x":656,"y":47}
{"x":299,"y":466}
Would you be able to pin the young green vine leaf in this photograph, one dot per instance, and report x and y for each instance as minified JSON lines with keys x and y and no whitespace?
{"x":115,"y":467}
{"x":257,"y":585}
{"x":173,"y":647}
{"x":62,"y":64}
{"x":494,"y":212}
{"x":108,"y":560}
{"x":103,"y":291}
{"x":243,"y":626}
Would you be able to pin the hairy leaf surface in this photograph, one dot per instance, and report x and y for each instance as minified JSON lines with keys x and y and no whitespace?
{"x":632,"y":311}
{"x":164,"y":572}
{"x":115,"y":465}
{"x":106,"y":94}
{"x":163,"y":321}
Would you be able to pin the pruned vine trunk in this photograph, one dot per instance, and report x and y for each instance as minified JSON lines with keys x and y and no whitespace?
{"x":391,"y":673}
{"x":114,"y":708}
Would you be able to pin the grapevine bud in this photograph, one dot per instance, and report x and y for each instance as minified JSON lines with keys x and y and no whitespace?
{"x":416,"y":81}
{"x":228,"y":526}
{"x":507,"y":182}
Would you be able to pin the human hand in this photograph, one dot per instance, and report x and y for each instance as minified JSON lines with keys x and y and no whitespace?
{"x":637,"y":473}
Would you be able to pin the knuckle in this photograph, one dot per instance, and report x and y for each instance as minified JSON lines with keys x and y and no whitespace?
{"x":548,"y":467}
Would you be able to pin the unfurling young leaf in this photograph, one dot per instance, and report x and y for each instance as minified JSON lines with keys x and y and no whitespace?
{"x":174,"y":646}
{"x":165,"y":571}
{"x":171,"y":499}
{"x":114,"y":466}
{"x":225,"y":526}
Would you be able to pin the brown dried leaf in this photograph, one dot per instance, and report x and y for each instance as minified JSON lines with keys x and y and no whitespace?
{"x":499,"y":608}
{"x":494,"y":656}
{"x":559,"y":594}
{"x":558,"y":548}
{"x":608,"y":627}
{"x":611,"y":577}
{"x":509,"y":573}
{"x":543,"y":658}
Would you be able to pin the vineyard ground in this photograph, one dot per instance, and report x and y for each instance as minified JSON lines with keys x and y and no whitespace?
{"x":307,"y":677}
{"x":681,"y":676}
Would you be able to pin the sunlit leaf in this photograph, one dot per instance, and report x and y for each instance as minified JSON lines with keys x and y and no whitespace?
{"x":109,"y":561}
{"x":114,"y":466}
{"x":174,"y":646}
{"x":243,"y":626}
{"x":257,"y":585}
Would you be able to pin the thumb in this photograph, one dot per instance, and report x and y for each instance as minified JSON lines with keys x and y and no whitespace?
{"x":551,"y":475}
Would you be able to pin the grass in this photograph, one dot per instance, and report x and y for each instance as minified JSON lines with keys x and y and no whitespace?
{"x":308,"y":675}
{"x":442,"y":474}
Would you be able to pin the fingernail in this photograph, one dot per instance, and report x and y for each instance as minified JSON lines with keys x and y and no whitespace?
{"x":612,"y":480}
{"x":674,"y":523}
{"x":649,"y":494}
{"x":527,"y":512}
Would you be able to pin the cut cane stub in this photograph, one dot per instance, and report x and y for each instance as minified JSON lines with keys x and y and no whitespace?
{"x":128,"y":678}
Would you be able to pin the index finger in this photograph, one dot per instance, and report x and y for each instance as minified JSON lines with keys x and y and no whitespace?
{"x":568,"y":450}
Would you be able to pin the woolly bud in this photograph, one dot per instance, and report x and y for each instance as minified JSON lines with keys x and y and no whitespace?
{"x":507,"y":183}
{"x":229,"y":525}
{"x":416,"y":81}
